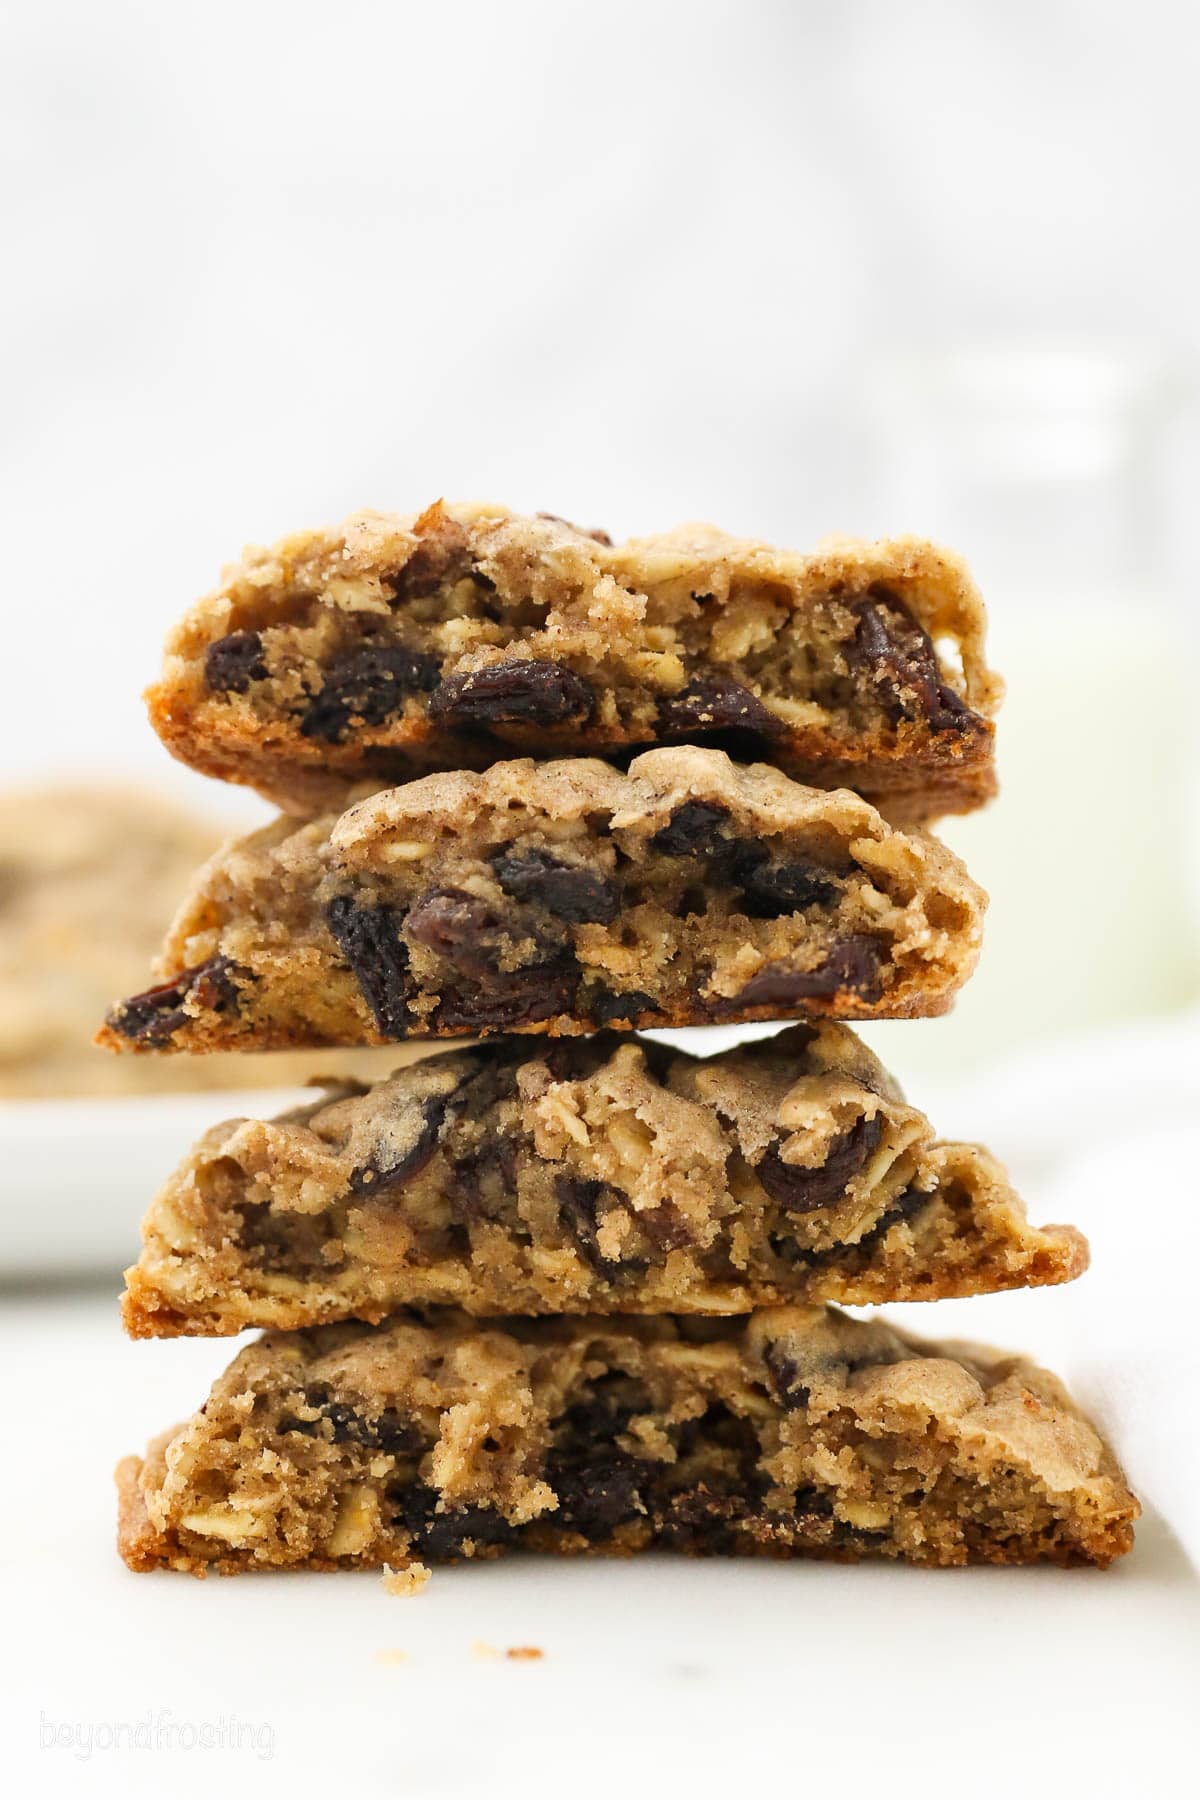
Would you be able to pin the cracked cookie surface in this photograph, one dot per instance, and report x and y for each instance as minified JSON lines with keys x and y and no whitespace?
{"x":796,"y":1432}
{"x":605,"y":1174}
{"x":398,"y":644}
{"x":560,"y":897}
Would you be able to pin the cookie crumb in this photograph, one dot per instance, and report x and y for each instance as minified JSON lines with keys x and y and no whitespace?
{"x":524,"y":1653}
{"x":484,"y":1652}
{"x":392,"y":1656}
{"x":409,"y":1580}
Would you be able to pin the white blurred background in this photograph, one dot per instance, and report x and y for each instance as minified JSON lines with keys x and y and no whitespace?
{"x":794,"y":268}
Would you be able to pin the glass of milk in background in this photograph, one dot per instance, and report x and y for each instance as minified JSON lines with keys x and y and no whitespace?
{"x":1049,"y":470}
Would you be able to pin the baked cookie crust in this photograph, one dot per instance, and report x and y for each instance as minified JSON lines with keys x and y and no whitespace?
{"x":559,"y":897}
{"x":598,"y":1175}
{"x":798,"y":1432}
{"x":397,"y":644}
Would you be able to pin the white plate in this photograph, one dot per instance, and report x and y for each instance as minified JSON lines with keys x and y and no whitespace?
{"x":77,"y":1175}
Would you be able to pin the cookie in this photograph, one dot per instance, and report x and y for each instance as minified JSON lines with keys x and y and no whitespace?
{"x":559,"y":897}
{"x":396,"y":645}
{"x":589,"y":1175}
{"x":796,"y":1432}
{"x":89,"y":880}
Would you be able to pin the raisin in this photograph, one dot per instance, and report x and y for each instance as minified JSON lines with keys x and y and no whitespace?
{"x":714,"y":702}
{"x":852,"y":967}
{"x":598,"y":1492}
{"x":899,"y":656}
{"x":396,"y":1434}
{"x":858,"y":1537}
{"x":906,"y":1207}
{"x":154,"y":1016}
{"x":578,"y":895}
{"x":519,"y":692}
{"x":699,"y":1522}
{"x":233,"y":662}
{"x":705,"y":1521}
{"x":694,"y":829}
{"x":598,"y":1484}
{"x":213,"y":987}
{"x":390,"y":1431}
{"x":511,"y":1001}
{"x":802,"y":1190}
{"x":468,"y":933}
{"x":437,"y":561}
{"x":458,"y":926}
{"x":485,"y":1181}
{"x":611,"y":1402}
{"x":439,"y":1534}
{"x":367,"y":686}
{"x":771,"y":890}
{"x":579,"y":1209}
{"x":369,"y":939}
{"x":597,"y":536}
{"x":784,"y":1374}
{"x":626,"y":1009}
{"x":475,"y":1091}
{"x":492,"y":1080}
{"x":718,"y":1427}
{"x":377,"y":1177}
{"x":663,"y":1230}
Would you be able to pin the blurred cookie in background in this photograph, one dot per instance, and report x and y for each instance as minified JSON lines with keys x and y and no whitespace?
{"x":90,"y":877}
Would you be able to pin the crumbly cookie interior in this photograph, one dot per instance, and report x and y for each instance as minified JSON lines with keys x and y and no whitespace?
{"x":396,"y":644}
{"x":852,"y":664}
{"x":563,"y":896}
{"x":800,"y":1433}
{"x":595,"y":1174}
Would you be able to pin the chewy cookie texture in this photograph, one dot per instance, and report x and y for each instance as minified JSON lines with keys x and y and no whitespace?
{"x":596,"y":1175}
{"x":563,"y":1288}
{"x":560,"y":897}
{"x":395,"y":645}
{"x":797,"y":1432}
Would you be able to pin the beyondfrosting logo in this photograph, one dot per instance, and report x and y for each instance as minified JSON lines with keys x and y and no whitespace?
{"x":159,"y":1730}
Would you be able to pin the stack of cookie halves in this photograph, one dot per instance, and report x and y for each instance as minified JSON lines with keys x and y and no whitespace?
{"x":557,"y":1286}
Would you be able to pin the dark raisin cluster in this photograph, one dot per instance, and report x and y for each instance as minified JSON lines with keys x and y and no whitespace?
{"x":153,"y":1017}
{"x":366,"y":686}
{"x":803,"y":1190}
{"x":898,"y":656}
{"x":521,"y":691}
{"x":341,"y":1423}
